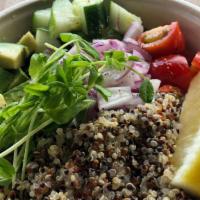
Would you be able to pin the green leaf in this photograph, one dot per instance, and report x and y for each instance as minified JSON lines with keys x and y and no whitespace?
{"x":86,"y":46}
{"x":36,"y":88}
{"x":36,"y":65}
{"x":82,"y":64}
{"x":64,"y":114}
{"x":67,"y":37}
{"x":146,"y":91}
{"x":133,"y":58}
{"x":93,"y":77}
{"x":103,"y":91}
{"x":119,"y":55}
{"x":7,"y":171}
{"x":55,"y":56}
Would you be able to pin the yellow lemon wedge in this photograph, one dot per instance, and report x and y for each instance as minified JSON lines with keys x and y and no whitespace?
{"x":189,"y":120}
{"x":187,"y":154}
{"x":188,"y":175}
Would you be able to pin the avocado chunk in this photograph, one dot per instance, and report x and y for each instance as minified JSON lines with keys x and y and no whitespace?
{"x":43,"y":36}
{"x":2,"y":101}
{"x":29,"y":41}
{"x":12,"y":56}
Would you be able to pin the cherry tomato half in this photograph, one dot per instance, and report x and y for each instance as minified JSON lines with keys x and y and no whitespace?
{"x":164,"y":40}
{"x":195,"y":66}
{"x":172,"y":70}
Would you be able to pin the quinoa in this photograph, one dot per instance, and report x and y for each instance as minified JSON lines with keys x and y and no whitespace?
{"x":122,"y":155}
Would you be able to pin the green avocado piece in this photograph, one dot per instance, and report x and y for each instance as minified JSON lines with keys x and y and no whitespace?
{"x":12,"y":56}
{"x":29,"y":41}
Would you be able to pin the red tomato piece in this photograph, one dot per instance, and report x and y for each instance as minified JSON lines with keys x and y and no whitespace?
{"x":169,"y":89}
{"x":172,"y":70}
{"x":195,"y":66}
{"x":164,"y":40}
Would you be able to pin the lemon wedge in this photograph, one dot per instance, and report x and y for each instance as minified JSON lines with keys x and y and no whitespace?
{"x":190,"y":122}
{"x":187,"y":176}
{"x":187,"y":154}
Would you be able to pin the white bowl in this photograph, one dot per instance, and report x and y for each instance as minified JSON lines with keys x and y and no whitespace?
{"x":18,"y":19}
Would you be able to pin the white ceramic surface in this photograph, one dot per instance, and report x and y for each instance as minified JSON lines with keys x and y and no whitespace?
{"x":17,"y":19}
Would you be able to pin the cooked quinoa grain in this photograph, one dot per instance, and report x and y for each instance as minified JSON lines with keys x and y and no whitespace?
{"x":123,"y":155}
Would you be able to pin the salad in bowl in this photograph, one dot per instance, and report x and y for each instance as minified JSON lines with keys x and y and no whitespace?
{"x":96,"y":107}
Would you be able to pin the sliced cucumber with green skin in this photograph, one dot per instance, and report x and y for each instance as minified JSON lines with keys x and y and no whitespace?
{"x":63,"y":18}
{"x":92,"y":14}
{"x":43,"y":36}
{"x":41,"y":18}
{"x":12,"y":56}
{"x":29,"y":41}
{"x":6,"y":78}
{"x":120,"y":19}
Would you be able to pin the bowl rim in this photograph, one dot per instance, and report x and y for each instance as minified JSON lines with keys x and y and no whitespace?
{"x":25,"y":3}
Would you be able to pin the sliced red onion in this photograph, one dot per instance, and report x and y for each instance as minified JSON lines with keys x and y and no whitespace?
{"x":133,"y":46}
{"x":112,"y":77}
{"x":135,"y":30}
{"x":156,"y":84}
{"x":128,"y":80}
{"x":105,"y":45}
{"x":121,"y":97}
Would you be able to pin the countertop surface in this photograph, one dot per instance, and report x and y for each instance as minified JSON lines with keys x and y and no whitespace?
{"x":6,"y":3}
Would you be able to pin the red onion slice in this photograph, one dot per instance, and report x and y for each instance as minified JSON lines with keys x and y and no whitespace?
{"x":112,"y":77}
{"x":135,"y":30}
{"x":132,"y":45}
{"x":121,"y":97}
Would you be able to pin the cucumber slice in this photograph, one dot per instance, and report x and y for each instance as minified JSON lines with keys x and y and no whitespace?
{"x":120,"y":19}
{"x":63,"y":18}
{"x":41,"y":18}
{"x":92,"y":15}
{"x":29,"y":41}
{"x":12,"y":56}
{"x":43,"y":36}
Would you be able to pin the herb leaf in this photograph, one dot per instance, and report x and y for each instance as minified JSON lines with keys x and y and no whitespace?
{"x":7,"y":171}
{"x":146,"y":91}
{"x":36,"y":65}
{"x":103,"y":91}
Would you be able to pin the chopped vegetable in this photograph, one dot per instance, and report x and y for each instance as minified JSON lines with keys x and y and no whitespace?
{"x":172,"y":70}
{"x":92,"y":16}
{"x":195,"y":66}
{"x":12,"y":56}
{"x":41,"y":18}
{"x":42,"y":37}
{"x":2,"y":101}
{"x":63,"y":18}
{"x":29,"y":41}
{"x":121,"y":97}
{"x":135,"y":30}
{"x":164,"y":40}
{"x":120,"y":19}
{"x":169,"y":89}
